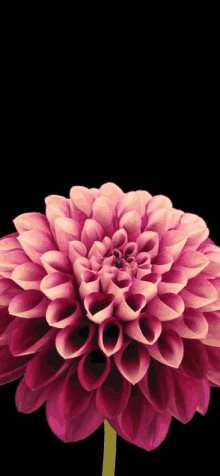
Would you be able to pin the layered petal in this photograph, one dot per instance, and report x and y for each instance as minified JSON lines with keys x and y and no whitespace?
{"x":75,"y":339}
{"x":29,"y":304}
{"x":132,"y":360}
{"x":112,"y":396}
{"x":110,"y":337}
{"x":93,"y":369}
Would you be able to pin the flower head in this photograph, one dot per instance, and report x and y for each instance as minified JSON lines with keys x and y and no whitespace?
{"x":110,"y":309}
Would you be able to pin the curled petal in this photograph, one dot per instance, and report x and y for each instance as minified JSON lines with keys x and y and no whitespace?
{"x":157,"y":385}
{"x":8,"y":290}
{"x":195,"y":359}
{"x":111,"y":191}
{"x":112,"y":396}
{"x":147,"y":285}
{"x":145,"y":329}
{"x":172,"y":242}
{"x":105,"y":274}
{"x":120,"y":238}
{"x":28,"y":275}
{"x":131,"y":222}
{"x":157,"y":202}
{"x":10,"y":259}
{"x":62,"y":312}
{"x":75,"y":339}
{"x":82,"y":199}
{"x":130,"y":249}
{"x":172,"y":281}
{"x":194,"y":226}
{"x":45,"y":367}
{"x":198,"y":292}
{"x":56,"y":261}
{"x":148,"y":242}
{"x":174,"y":217}
{"x":161,"y":263}
{"x":192,"y":324}
{"x":98,"y":248}
{"x":89,"y":284}
{"x":92,"y":231}
{"x":99,"y":306}
{"x":93,"y":369}
{"x":158,"y":221}
{"x":35,"y":243}
{"x":81,"y":264}
{"x":66,"y":230}
{"x":191,"y":263}
{"x":132,"y":360}
{"x":166,"y":307}
{"x":29,"y":304}
{"x":213,"y":267}
{"x":76,"y":250}
{"x":96,"y":263}
{"x":133,"y":201}
{"x":10,"y":242}
{"x":102,"y":212}
{"x":130,"y":306}
{"x":143,"y":271}
{"x":31,"y":221}
{"x":57,"y":285}
{"x":168,"y":349}
{"x":213,"y":334}
{"x":29,"y":336}
{"x":118,"y":288}
{"x":185,"y":398}
{"x":110,"y":336}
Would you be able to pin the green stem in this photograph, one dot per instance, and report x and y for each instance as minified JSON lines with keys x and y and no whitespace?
{"x":108,"y":468}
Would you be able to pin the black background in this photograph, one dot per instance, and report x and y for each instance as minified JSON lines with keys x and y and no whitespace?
{"x":32,"y":170}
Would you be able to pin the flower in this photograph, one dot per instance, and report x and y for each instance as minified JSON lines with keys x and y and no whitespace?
{"x":110,"y":309}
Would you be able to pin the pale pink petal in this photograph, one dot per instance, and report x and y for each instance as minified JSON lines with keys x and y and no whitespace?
{"x":145,"y":329}
{"x":62,"y":312}
{"x":28,"y":275}
{"x":99,"y":306}
{"x":57,"y":285}
{"x":35,"y":243}
{"x":28,"y":304}
{"x":89,"y":283}
{"x":167,"y":306}
{"x":130,"y":306}
{"x":56,"y":261}
{"x":168,"y":349}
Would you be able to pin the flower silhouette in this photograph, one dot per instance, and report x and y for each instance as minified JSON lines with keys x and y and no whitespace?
{"x":110,"y":309}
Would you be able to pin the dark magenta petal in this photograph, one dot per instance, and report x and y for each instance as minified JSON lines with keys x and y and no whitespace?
{"x":132,"y":360}
{"x":30,"y":336}
{"x":113,"y":394}
{"x":93,"y":369}
{"x":27,"y":400}
{"x":110,"y":336}
{"x":185,"y":397}
{"x":76,"y":398}
{"x":11,"y":368}
{"x":130,"y":418}
{"x":29,"y":304}
{"x":71,"y":429}
{"x":45,"y":367}
{"x":157,"y":386}
{"x":75,"y":339}
{"x":195,"y":359}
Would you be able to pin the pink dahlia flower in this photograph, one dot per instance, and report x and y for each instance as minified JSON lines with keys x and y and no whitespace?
{"x":110,"y":309}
